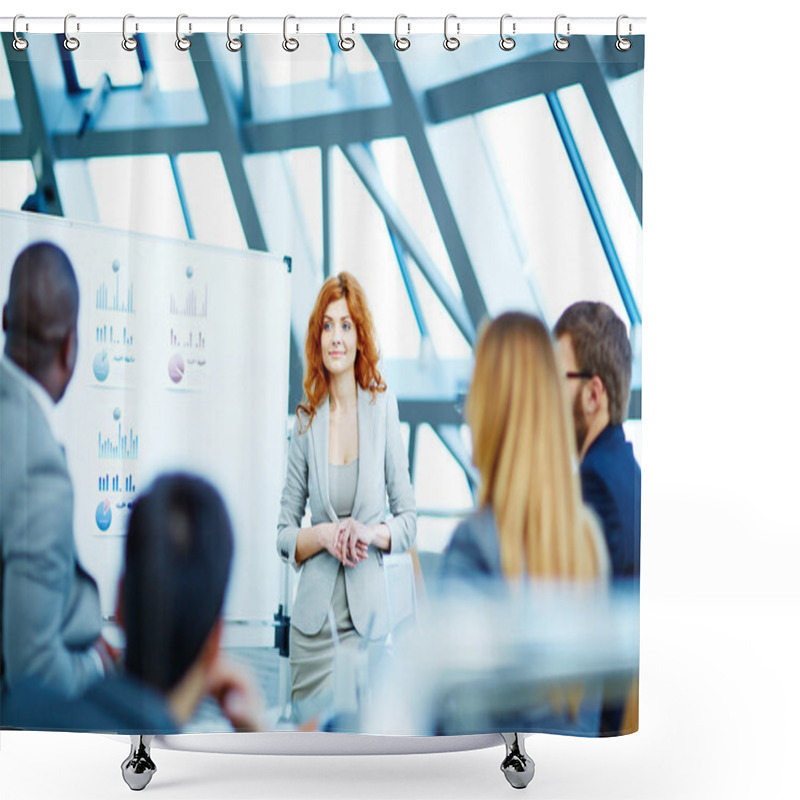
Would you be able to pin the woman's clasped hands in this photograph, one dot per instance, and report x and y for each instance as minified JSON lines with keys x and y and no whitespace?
{"x":349,"y":541}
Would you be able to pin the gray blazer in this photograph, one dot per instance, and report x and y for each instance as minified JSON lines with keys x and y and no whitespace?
{"x":473,"y":552}
{"x":50,"y":605}
{"x":382,"y":471}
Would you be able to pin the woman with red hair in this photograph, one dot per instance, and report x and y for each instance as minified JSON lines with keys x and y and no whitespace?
{"x":345,"y":457}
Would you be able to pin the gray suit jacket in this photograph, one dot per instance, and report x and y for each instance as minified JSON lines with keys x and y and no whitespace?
{"x":49,"y":606}
{"x":382,"y":471}
{"x":473,"y":552}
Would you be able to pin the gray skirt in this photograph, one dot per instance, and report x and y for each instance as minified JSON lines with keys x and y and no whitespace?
{"x":311,"y":657}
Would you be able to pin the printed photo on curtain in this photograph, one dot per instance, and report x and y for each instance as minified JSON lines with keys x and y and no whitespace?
{"x":320,"y":393}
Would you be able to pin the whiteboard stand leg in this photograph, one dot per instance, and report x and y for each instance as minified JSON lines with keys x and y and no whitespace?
{"x":517,"y":766}
{"x":138,"y":768}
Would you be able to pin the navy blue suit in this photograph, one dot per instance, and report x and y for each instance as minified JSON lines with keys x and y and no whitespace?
{"x":611,"y":481}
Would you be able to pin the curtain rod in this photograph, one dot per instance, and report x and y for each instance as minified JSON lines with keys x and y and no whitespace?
{"x":407,"y":25}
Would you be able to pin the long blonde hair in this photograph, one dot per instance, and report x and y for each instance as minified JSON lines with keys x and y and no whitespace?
{"x":523,"y":447}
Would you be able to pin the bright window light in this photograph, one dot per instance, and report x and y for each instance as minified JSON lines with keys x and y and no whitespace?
{"x":137,"y":193}
{"x":6,"y":87}
{"x":105,"y":56}
{"x":361,"y":245}
{"x":212,"y":211}
{"x":17,"y":182}
{"x":564,"y":257}
{"x":172,"y":68}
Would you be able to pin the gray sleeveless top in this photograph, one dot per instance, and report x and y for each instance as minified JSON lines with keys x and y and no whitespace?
{"x":342,"y":479}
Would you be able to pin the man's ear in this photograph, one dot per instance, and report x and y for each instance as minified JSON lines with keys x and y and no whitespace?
{"x":594,"y":395}
{"x":69,"y":350}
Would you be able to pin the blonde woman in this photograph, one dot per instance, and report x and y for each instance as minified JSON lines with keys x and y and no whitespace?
{"x":530,"y":520}
{"x":346,"y":458}
{"x":531,"y":524}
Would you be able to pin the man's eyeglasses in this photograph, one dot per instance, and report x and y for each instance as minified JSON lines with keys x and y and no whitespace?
{"x":586,"y":375}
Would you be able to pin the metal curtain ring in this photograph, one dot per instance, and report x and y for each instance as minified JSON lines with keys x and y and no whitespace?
{"x":451,"y":42}
{"x":345,"y":42}
{"x":181,"y":42}
{"x":401,"y":42}
{"x":19,"y":42}
{"x":71,"y":43}
{"x":289,"y":44}
{"x":560,"y":43}
{"x":233,"y":44}
{"x":623,"y":44}
{"x":506,"y":42}
{"x":128,"y":42}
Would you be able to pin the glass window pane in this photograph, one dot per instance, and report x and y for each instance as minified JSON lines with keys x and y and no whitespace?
{"x":6,"y":87}
{"x":9,"y":116}
{"x":633,"y":433}
{"x":17,"y":182}
{"x":75,"y":189}
{"x":287,"y":190}
{"x":361,"y":245}
{"x":211,"y":208}
{"x":137,"y":193}
{"x":627,"y":94}
{"x":447,"y":339}
{"x":439,"y":485}
{"x":618,"y":211}
{"x":563,"y":254}
{"x":401,"y":178}
{"x":272,"y":66}
{"x":172,"y":69}
{"x":105,"y":56}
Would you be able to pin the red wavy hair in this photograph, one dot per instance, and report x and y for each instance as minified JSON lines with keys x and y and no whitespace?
{"x":316,"y":377}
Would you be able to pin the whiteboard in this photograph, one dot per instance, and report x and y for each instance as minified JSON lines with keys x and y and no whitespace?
{"x":183,"y":364}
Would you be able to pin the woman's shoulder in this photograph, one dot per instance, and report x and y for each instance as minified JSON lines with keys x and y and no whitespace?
{"x":379,"y":399}
{"x":480,"y":525}
{"x":474,"y":547}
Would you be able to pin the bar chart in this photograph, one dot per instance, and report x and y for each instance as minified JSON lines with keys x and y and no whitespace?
{"x":114,"y":484}
{"x":193,"y":304}
{"x":107,"y":334}
{"x":118,"y":446}
{"x":192,"y":340}
{"x":110,"y":296}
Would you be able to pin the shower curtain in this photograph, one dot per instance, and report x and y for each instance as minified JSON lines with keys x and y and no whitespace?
{"x":215,"y":197}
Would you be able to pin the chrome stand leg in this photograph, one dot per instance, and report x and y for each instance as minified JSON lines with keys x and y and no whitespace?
{"x":138,"y":768}
{"x":518,"y":766}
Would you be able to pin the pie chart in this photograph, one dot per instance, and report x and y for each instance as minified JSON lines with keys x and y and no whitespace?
{"x":103,"y":515}
{"x":101,"y":366}
{"x":176,"y":368}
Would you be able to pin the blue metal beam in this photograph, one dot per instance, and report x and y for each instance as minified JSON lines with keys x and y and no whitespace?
{"x":365,"y":168}
{"x":139,"y":142}
{"x":34,"y":132}
{"x":400,"y":256}
{"x":539,"y":74}
{"x":327,"y":198}
{"x":605,"y":111}
{"x":187,"y":216}
{"x":406,"y":109}
{"x":325,"y":130}
{"x":594,"y":208}
{"x":224,"y":131}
